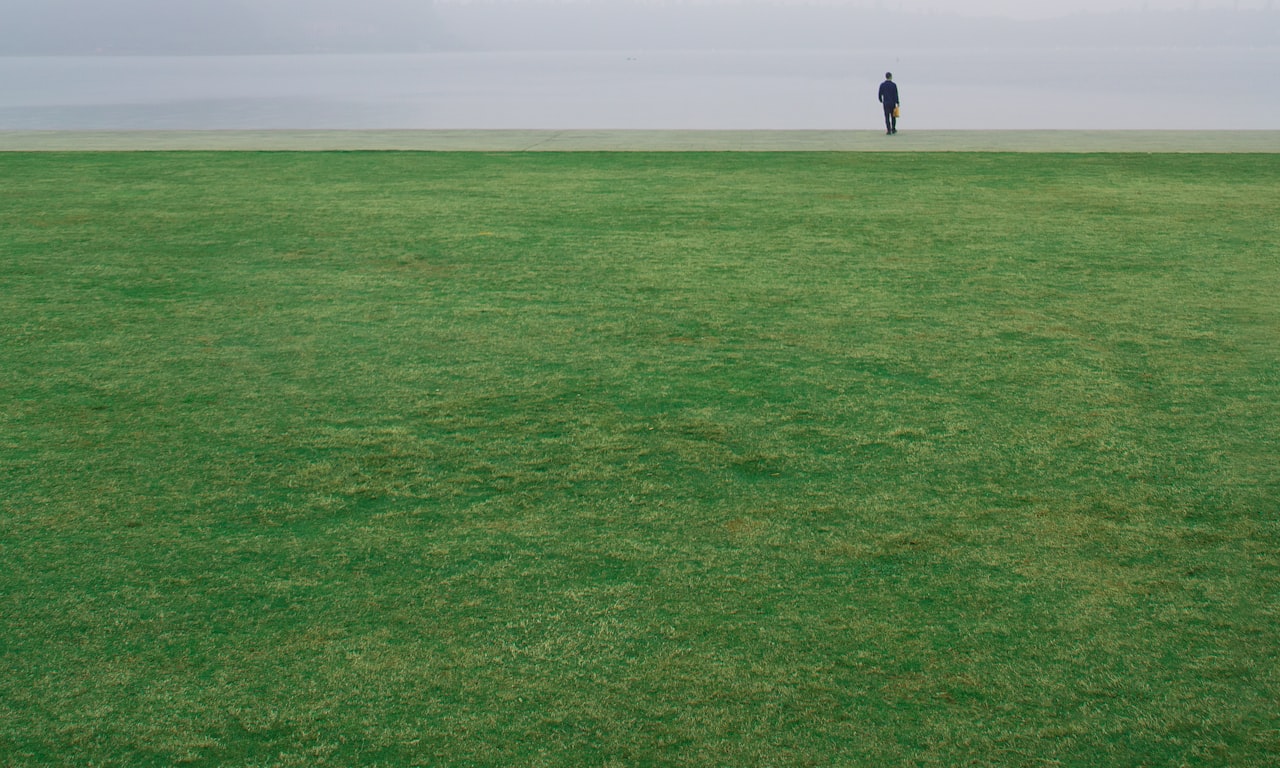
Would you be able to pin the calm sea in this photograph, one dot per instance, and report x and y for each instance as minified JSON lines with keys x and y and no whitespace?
{"x":941,"y":89}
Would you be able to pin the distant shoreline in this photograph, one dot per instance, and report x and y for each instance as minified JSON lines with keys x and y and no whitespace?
{"x":1068,"y":141}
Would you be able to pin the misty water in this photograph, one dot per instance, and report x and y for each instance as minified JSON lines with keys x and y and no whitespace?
{"x":1062,"y":88}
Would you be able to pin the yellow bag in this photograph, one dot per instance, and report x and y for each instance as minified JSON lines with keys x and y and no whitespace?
{"x":897,"y":111}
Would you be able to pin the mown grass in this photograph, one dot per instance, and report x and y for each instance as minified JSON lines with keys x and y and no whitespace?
{"x":639,"y":459}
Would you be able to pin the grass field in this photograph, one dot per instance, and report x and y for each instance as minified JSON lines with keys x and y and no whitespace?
{"x":639,"y":459}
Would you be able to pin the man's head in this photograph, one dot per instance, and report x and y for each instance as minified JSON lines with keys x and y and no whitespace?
{"x":888,"y":75}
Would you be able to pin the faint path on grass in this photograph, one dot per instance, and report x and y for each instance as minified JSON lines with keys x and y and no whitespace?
{"x":664,"y":141}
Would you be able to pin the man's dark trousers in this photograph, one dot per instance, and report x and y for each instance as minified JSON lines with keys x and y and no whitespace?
{"x":890,"y":122}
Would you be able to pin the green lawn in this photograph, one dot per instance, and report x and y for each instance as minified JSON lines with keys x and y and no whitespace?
{"x":639,"y":459}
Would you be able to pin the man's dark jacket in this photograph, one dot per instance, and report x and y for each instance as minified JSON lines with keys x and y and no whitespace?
{"x":889,"y":94}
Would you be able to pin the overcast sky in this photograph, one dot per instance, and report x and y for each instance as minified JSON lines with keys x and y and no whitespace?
{"x":975,"y":64}
{"x":35,"y":27}
{"x":1030,"y":9}
{"x":1022,"y":9}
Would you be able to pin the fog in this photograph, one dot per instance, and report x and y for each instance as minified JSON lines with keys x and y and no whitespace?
{"x":202,"y":27}
{"x":660,"y":64}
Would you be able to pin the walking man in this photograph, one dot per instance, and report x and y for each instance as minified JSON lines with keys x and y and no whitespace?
{"x":889,"y":100}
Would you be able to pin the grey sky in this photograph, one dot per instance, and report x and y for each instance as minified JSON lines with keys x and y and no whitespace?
{"x":973,"y":64}
{"x":1040,"y":9}
{"x":347,"y":26}
{"x":1016,"y":9}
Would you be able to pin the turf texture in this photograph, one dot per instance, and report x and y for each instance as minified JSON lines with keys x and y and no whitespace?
{"x":639,"y":459}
